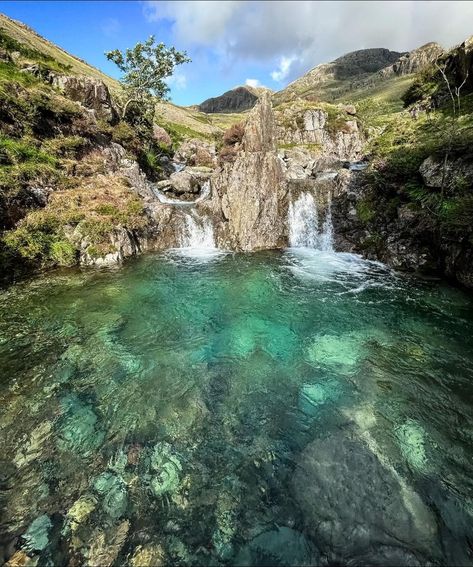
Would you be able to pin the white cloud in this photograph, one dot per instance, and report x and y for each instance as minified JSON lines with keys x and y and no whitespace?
{"x":255,"y":83}
{"x":178,"y":81}
{"x":284,"y":67}
{"x":318,"y":32}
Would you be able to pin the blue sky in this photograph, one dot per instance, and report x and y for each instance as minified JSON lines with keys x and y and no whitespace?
{"x":234,"y":42}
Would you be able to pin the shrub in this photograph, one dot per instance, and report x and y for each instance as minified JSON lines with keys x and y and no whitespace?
{"x":234,"y":135}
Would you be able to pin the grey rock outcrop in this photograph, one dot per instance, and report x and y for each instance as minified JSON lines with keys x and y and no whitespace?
{"x":250,"y":194}
{"x":414,"y":61}
{"x":435,"y":173}
{"x":91,"y":93}
{"x":235,"y":100}
{"x":296,"y":126}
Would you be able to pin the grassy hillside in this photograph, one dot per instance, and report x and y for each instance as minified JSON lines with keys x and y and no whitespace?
{"x":188,"y":121}
{"x":29,"y":39}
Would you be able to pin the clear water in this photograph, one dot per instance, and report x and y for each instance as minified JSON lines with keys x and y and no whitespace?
{"x":284,"y":408}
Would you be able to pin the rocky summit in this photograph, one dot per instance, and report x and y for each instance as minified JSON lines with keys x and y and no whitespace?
{"x":236,"y":100}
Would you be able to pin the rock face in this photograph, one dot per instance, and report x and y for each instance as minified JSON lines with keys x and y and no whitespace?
{"x":403,"y":237}
{"x":414,"y":61}
{"x":91,"y":93}
{"x":250,"y":194}
{"x":312,"y":127}
{"x":236,"y":100}
{"x":460,"y":64}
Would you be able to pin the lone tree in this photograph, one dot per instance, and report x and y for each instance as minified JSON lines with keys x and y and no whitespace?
{"x":145,"y":68}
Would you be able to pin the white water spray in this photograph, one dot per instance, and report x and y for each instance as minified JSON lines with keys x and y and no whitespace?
{"x":304,"y":224}
{"x":197,"y":231}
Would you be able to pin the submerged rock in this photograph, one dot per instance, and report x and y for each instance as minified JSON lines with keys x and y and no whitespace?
{"x":106,"y":545}
{"x":411,"y":437}
{"x":342,"y":351}
{"x":81,"y":510}
{"x":148,"y":556}
{"x":37,"y":535}
{"x":165,"y":469}
{"x":79,"y":429}
{"x":113,"y":490}
{"x":280,"y":547}
{"x":351,"y":503}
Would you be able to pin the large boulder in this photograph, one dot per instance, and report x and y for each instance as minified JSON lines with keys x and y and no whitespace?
{"x":91,"y":93}
{"x":435,"y":172}
{"x":196,"y":152}
{"x":358,"y":509}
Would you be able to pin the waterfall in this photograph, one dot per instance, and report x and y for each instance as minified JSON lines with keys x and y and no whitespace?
{"x":304,"y":224}
{"x":326,"y":236}
{"x":197,"y":231}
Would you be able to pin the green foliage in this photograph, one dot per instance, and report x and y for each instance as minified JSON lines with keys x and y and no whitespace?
{"x":421,"y":89}
{"x":63,"y":253}
{"x":66,"y":146}
{"x":13,"y":151}
{"x":10,"y":44}
{"x":40,"y":239}
{"x":366,"y":210}
{"x":145,"y":68}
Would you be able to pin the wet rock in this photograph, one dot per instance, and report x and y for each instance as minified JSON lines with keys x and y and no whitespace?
{"x":79,"y":427}
{"x":134,"y":452}
{"x":412,"y":438}
{"x":282,"y":546}
{"x":106,"y":545}
{"x":33,"y":448}
{"x":165,"y":469}
{"x":148,"y":556}
{"x":190,"y":180}
{"x":112,"y":489}
{"x":20,"y":559}
{"x":80,"y":511}
{"x":37,"y":535}
{"x":352,"y":504}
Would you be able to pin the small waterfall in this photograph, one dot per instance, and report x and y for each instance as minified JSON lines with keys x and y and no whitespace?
{"x":304,"y":224}
{"x":197,"y":231}
{"x":326,"y":237}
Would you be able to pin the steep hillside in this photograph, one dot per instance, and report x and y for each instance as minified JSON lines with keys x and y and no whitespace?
{"x":348,"y":75}
{"x":40,"y":49}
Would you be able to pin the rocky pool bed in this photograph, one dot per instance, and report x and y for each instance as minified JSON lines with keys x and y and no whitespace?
{"x":280,"y":408}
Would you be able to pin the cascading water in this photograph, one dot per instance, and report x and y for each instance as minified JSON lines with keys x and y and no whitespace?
{"x":197,"y":231}
{"x":304,"y":224}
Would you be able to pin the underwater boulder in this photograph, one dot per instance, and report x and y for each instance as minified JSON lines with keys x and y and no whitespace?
{"x":352,"y":503}
{"x":37,"y":535}
{"x":412,"y":437}
{"x":79,"y":428}
{"x":112,"y":489}
{"x":279,"y":547}
{"x":165,"y":469}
